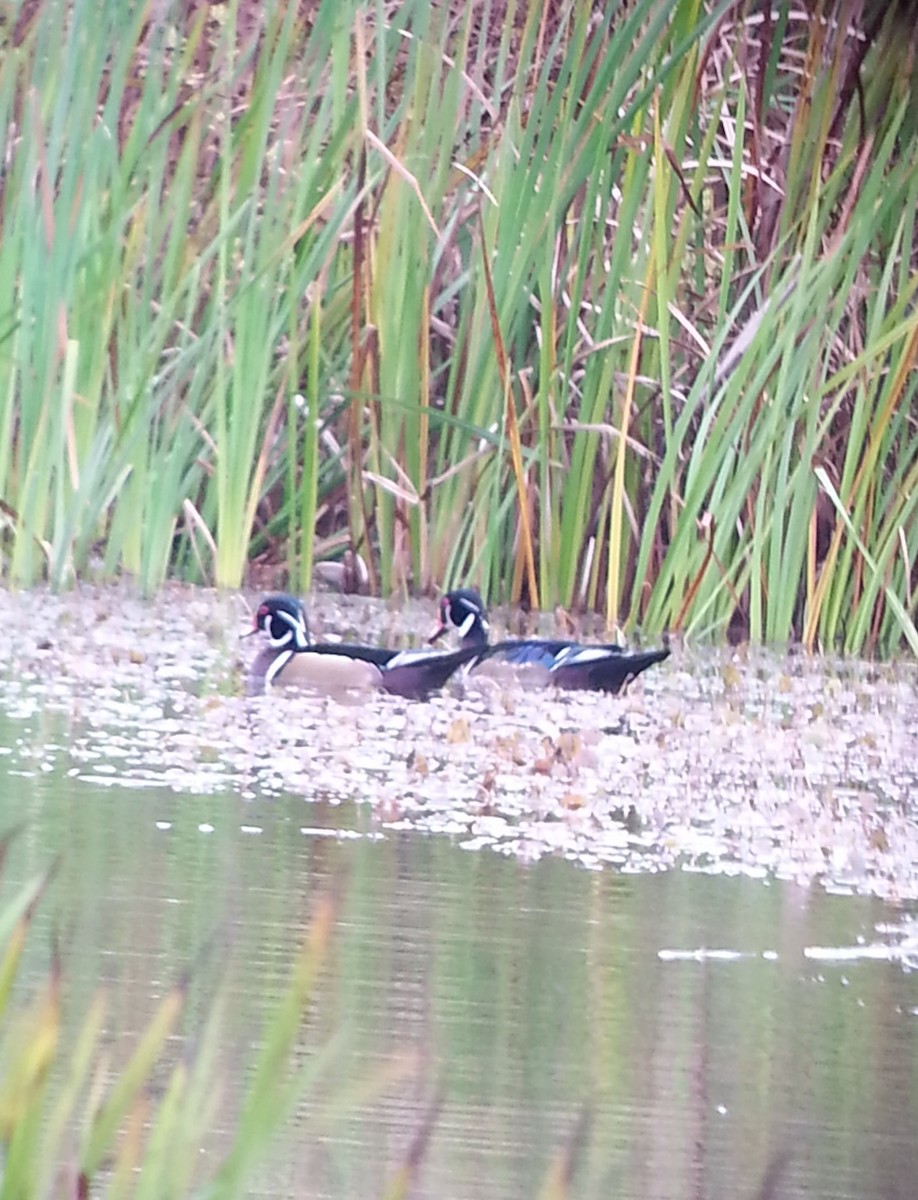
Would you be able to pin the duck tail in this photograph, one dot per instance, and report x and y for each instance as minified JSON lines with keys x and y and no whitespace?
{"x":610,"y":673}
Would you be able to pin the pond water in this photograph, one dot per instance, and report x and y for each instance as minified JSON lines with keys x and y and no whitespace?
{"x":680,"y":1020}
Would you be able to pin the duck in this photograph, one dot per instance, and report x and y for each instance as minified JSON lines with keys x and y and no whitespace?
{"x":292,"y":659}
{"x":566,"y":664}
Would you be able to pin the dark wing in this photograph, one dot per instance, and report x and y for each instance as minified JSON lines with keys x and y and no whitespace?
{"x":534,"y":652}
{"x":377,"y":655}
{"x":602,"y":668}
{"x":415,"y":674}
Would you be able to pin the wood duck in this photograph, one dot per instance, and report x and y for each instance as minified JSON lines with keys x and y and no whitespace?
{"x":292,"y":659}
{"x":567,"y":664}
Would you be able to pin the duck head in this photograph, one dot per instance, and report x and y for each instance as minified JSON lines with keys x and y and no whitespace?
{"x":283,"y":619}
{"x":463,"y":609}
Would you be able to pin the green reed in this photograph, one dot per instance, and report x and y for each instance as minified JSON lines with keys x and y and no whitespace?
{"x":610,"y":314}
{"x":69,"y":1127}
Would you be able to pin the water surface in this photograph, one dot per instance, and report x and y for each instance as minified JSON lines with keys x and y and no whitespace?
{"x":534,"y":996}
{"x":673,"y":934}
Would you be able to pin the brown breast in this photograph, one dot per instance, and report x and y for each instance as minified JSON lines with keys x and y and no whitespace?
{"x":327,"y":673}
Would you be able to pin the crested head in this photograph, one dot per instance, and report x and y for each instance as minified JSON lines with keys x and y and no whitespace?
{"x":465,"y":609}
{"x":283,"y":619}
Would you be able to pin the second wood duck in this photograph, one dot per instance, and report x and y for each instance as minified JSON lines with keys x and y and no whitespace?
{"x":567,"y":664}
{"x":292,"y":659}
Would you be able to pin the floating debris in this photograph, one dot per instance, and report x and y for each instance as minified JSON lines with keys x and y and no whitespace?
{"x":727,"y":761}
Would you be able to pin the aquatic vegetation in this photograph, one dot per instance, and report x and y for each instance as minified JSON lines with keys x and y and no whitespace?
{"x":720,"y":760}
{"x":70,"y":1129}
{"x":79,"y":1119}
{"x":568,"y":336}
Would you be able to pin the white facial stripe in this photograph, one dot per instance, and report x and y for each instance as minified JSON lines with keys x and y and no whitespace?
{"x":297,"y":630}
{"x":278,"y":665}
{"x":283,"y":640}
{"x":466,"y":627}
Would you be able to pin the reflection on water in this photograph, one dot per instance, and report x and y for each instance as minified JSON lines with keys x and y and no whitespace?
{"x":530,"y":995}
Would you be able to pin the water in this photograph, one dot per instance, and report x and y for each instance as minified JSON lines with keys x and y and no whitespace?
{"x":535,"y":996}
{"x":670,"y":936}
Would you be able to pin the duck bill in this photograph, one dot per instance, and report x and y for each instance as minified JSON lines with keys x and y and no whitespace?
{"x":437,"y":634}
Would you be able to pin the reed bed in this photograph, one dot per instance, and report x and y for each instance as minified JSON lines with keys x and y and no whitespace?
{"x":604,"y":307}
